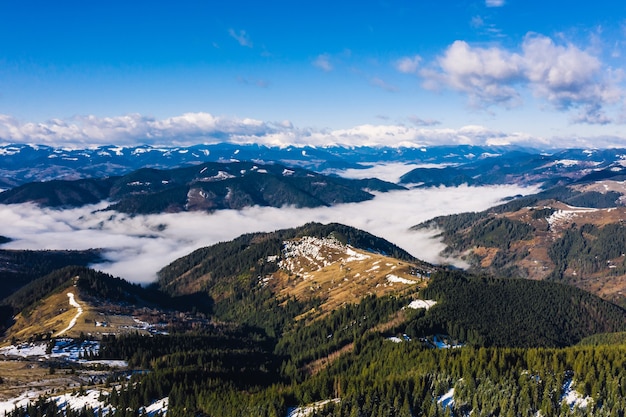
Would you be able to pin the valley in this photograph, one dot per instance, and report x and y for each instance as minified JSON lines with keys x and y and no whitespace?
{"x":320,"y":317}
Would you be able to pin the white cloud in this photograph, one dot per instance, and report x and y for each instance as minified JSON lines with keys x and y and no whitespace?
{"x":385,"y":171}
{"x":323,"y":62}
{"x":241,"y":37}
{"x":567,"y":77}
{"x":408,"y":65}
{"x":486,"y":75}
{"x":194,"y":128}
{"x":494,"y":3}
{"x":138,"y":246}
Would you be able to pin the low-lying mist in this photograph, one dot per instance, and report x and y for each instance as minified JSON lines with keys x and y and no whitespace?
{"x":138,"y":246}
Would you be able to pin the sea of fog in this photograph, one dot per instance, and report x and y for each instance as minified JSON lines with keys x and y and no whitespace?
{"x":136,"y":247}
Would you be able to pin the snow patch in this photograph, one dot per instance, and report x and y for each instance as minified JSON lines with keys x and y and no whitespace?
{"x":394,"y":278}
{"x":573,"y":398}
{"x":159,"y":406}
{"x":310,"y":409}
{"x":561,"y":216}
{"x":417,"y":304}
{"x":447,"y":399}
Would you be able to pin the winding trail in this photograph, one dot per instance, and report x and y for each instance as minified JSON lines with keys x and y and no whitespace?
{"x":73,"y":303}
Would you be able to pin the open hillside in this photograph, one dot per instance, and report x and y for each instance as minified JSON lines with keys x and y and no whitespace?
{"x":317,"y":267}
{"x":76,"y":300}
{"x":206,"y":187}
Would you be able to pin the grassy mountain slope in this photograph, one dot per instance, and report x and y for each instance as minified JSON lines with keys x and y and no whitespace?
{"x":314,"y":268}
{"x":42,"y":308}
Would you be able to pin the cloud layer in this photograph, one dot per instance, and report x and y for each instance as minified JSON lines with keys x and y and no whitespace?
{"x":138,"y":246}
{"x":564,"y":75}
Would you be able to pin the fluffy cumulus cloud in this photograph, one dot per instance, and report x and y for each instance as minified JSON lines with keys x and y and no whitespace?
{"x":567,"y":77}
{"x":134,"y":128}
{"x":193,"y":128}
{"x":138,"y":246}
{"x":486,"y":75}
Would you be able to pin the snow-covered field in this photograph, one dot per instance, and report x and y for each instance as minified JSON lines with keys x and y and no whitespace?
{"x":447,"y":399}
{"x":94,"y":399}
{"x":69,"y":349}
{"x":561,"y":216}
{"x":394,"y":278}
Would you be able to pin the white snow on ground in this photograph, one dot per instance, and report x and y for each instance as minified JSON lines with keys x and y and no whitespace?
{"x":395,"y":278}
{"x":77,"y":402}
{"x":221,"y":175}
{"x":68,"y":349}
{"x":355,"y":256}
{"x":417,"y":304}
{"x":21,"y":401}
{"x":440,"y":343}
{"x":73,"y":303}
{"x":24,"y":350}
{"x":573,"y":398}
{"x":157,"y":406}
{"x":447,"y":399}
{"x":560,"y":216}
{"x":310,"y":409}
{"x":567,"y":162}
{"x":318,"y":252}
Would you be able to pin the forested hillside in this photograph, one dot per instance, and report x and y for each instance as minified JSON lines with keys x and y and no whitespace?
{"x":254,"y":346}
{"x":573,"y":235}
{"x":486,"y":311}
{"x":19,"y":267}
{"x":206,"y":187}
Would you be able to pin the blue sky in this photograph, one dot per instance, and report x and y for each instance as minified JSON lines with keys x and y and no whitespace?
{"x":313,"y":72}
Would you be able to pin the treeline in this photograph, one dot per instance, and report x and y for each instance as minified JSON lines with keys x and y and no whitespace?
{"x":307,"y":343}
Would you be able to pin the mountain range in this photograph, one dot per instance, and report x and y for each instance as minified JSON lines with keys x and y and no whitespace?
{"x":208,"y":186}
{"x":322,"y":318}
{"x":20,"y":164}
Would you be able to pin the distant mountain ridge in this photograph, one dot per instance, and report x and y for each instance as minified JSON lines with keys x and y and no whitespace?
{"x":448,"y":165}
{"x":206,"y":187}
{"x":20,"y":163}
